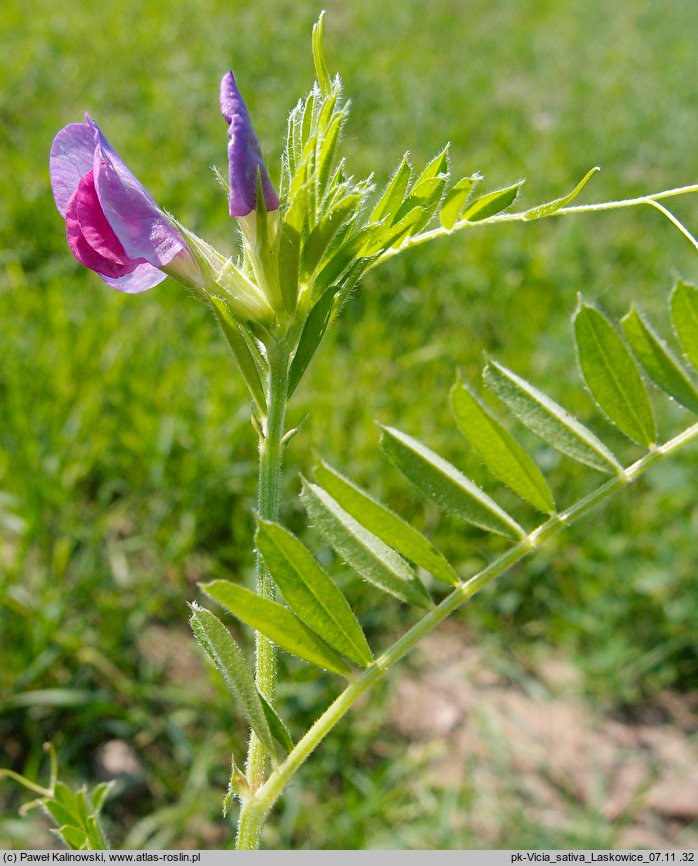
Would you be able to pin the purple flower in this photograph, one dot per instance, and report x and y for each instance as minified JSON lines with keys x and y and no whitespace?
{"x":245,"y":159}
{"x":113,"y":225}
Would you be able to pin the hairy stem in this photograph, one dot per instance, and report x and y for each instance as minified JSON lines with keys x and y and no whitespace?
{"x":257,"y":807}
{"x":270,"y":458}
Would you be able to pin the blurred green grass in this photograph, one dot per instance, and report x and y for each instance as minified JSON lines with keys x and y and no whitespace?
{"x":127,"y":463}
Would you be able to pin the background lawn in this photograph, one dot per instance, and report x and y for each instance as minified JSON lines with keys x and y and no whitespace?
{"x":127,"y":460}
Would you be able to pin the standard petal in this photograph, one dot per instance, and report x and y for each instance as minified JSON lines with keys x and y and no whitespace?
{"x":245,"y":159}
{"x":142,"y":278}
{"x":137,"y":221}
{"x":71,"y":158}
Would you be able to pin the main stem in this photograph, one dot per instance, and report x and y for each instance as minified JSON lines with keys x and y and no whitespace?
{"x":270,"y":458}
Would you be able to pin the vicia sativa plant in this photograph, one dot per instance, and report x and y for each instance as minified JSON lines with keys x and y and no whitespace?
{"x":302,"y":252}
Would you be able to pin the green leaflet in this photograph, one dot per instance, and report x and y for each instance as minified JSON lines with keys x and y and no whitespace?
{"x":505,"y":458}
{"x":326,"y":109}
{"x":77,"y":815}
{"x":446,"y":485}
{"x":277,"y":623}
{"x":382,"y":237}
{"x":342,"y":259}
{"x":492,"y":203}
{"x":289,"y":241}
{"x":326,"y":155}
{"x":99,"y":794}
{"x":385,"y":524}
{"x":456,"y":199}
{"x":81,"y":803}
{"x":59,"y":813}
{"x":65,"y":804}
{"x":309,"y":118}
{"x":549,"y":420}
{"x":321,"y":236}
{"x":362,"y":550}
{"x":428,"y":189}
{"x":612,"y":376}
{"x":296,"y":213}
{"x":63,"y":795}
{"x":424,"y":199}
{"x":313,"y":330}
{"x":394,"y":193}
{"x":684,"y":316}
{"x":321,"y":72}
{"x":310,"y":593}
{"x":659,"y":362}
{"x":74,"y":837}
{"x":402,"y":211}
{"x":241,"y":351}
{"x":293,"y":148}
{"x":437,"y":167}
{"x":552,"y":207}
{"x":317,"y":228}
{"x":304,"y":176}
{"x":349,"y":281}
{"x":278,"y":729}
{"x":227,"y":656}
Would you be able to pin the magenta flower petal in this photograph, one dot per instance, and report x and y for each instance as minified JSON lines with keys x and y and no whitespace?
{"x":94,"y":226}
{"x":140,"y":225}
{"x":142,"y":278}
{"x":110,"y":259}
{"x":72,"y":155}
{"x":244,"y":154}
{"x":113,"y":226}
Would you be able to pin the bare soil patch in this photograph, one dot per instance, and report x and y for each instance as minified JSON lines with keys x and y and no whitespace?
{"x":564,"y":758}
